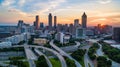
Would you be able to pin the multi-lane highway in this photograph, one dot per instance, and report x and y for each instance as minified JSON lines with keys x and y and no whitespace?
{"x":63,"y":62}
{"x":64,"y":53}
{"x":30,"y":56}
{"x":40,"y":53}
{"x":101,"y":53}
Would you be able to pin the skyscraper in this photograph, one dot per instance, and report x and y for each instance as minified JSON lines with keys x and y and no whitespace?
{"x":84,"y":20}
{"x":37,"y":23}
{"x":41,"y":25}
{"x":50,"y":21}
{"x":76,"y":22}
{"x":20,"y":23}
{"x":55,"y":21}
{"x":116,"y":34}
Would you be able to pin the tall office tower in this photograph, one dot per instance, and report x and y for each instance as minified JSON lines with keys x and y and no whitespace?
{"x":71,"y":29}
{"x":20,"y":23}
{"x":76,"y":22}
{"x":116,"y":34}
{"x":55,"y":21}
{"x":34,"y":23}
{"x":41,"y":25}
{"x":84,"y":20}
{"x":37,"y":23}
{"x":50,"y":21}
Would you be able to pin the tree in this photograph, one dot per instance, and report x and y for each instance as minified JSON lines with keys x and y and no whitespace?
{"x":41,"y":62}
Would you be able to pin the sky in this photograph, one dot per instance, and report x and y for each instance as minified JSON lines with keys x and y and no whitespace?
{"x":98,"y":11}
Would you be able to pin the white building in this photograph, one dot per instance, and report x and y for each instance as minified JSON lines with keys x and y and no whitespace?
{"x":66,"y":38}
{"x":63,"y":38}
{"x":18,"y":38}
{"x":59,"y":36}
{"x":5,"y":44}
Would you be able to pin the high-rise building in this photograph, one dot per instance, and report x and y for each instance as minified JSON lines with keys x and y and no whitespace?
{"x":37,"y":23}
{"x":76,"y":22}
{"x":55,"y":21}
{"x":60,"y":37}
{"x":80,"y":33}
{"x":50,"y":21}
{"x":84,"y":20}
{"x":41,"y":25}
{"x":20,"y":23}
{"x":116,"y":34}
{"x":71,"y":29}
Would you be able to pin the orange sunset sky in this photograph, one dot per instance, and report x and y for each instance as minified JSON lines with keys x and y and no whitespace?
{"x":98,"y":11}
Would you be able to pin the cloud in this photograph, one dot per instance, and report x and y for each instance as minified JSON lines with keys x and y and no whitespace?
{"x":16,"y":11}
{"x":104,"y":1}
{"x":49,"y":6}
{"x":7,"y":2}
{"x":21,"y":2}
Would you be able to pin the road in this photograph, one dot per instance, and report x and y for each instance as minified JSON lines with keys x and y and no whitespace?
{"x":3,"y":64}
{"x":30,"y":56}
{"x":63,"y":62}
{"x":71,"y":48}
{"x":101,"y":53}
{"x":40,"y":53}
{"x":86,"y":57}
{"x":64,"y":53}
{"x":77,"y":44}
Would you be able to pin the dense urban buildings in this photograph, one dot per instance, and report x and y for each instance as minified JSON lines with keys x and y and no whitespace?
{"x":34,"y":41}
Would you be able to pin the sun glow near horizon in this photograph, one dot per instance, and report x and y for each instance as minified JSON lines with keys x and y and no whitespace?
{"x":98,"y":12}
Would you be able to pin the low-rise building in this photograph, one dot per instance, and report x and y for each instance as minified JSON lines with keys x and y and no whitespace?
{"x":40,"y":41}
{"x":5,"y":44}
{"x":63,"y":38}
{"x":89,"y":32}
{"x":66,"y":38}
{"x":18,"y":38}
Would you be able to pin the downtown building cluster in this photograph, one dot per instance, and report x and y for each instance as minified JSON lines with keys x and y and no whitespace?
{"x":61,"y":32}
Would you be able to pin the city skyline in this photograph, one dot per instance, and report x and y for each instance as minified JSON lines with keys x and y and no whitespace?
{"x":98,"y":12}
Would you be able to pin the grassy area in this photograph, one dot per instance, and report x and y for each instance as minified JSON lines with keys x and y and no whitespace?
{"x":19,"y":63}
{"x":26,"y":64}
{"x":55,"y":62}
{"x":82,"y":45}
{"x":17,"y":58}
{"x":82,"y":62}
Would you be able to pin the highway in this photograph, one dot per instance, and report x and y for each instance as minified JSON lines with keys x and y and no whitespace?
{"x":3,"y":64}
{"x":63,"y":62}
{"x":101,"y":53}
{"x":77,"y":44}
{"x":71,"y":48}
{"x":86,"y":57}
{"x":30,"y":56}
{"x":40,"y":53}
{"x":64,"y":53}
